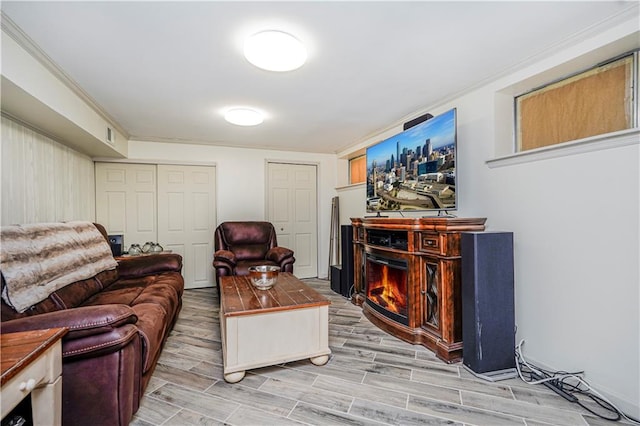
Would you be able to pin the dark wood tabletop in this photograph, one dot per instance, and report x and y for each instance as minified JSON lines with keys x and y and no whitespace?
{"x":21,"y":348}
{"x":239,"y":297}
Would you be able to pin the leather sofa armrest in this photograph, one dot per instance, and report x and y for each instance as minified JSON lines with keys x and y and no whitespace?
{"x":93,"y":330}
{"x":81,"y":322}
{"x":224,"y":262}
{"x":279,"y":254}
{"x":138,"y":266}
{"x":224,"y":258}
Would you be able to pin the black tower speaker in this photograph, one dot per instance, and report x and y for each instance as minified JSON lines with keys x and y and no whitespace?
{"x":346,"y":247}
{"x":488,"y":313}
{"x":336,"y":278}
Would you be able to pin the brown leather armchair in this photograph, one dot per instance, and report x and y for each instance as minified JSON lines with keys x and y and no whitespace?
{"x":240,"y":245}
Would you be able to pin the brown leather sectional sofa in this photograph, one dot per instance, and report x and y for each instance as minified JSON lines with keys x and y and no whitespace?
{"x":118,"y":322}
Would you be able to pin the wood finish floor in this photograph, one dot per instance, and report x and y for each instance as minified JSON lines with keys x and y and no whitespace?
{"x":372,"y":378}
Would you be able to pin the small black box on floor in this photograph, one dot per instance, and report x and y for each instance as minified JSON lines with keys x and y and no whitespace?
{"x":488,"y":312}
{"x":336,"y":278}
{"x":346,"y":246}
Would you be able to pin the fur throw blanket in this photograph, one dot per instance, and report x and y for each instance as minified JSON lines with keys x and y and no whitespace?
{"x":38,"y":259}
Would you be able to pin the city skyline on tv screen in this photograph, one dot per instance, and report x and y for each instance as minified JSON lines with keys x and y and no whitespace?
{"x":415,"y":169}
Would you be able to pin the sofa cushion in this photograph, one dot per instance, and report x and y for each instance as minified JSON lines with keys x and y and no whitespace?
{"x":70,"y":296}
{"x":155,"y":299}
{"x":75,"y":294}
{"x":47,"y":305}
{"x":242,"y":268}
{"x":164,"y":289}
{"x":250,"y":251}
{"x":152,"y":325}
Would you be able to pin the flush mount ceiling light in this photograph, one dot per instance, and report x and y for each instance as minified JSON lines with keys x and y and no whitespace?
{"x":275,"y":51}
{"x":243,"y":116}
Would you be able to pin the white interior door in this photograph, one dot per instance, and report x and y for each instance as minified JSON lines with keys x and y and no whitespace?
{"x":292,"y":208}
{"x":126,"y":201}
{"x":187,"y":219}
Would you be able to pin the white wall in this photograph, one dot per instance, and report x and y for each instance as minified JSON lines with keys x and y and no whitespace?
{"x":37,"y":92}
{"x":241,"y":180}
{"x":352,"y":202}
{"x":575,"y":218}
{"x":43,"y":180}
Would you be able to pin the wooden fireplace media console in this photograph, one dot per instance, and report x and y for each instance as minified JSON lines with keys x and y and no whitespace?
{"x":430,"y":249}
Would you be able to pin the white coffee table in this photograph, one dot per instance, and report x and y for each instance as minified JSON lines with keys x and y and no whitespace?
{"x":288,"y":322}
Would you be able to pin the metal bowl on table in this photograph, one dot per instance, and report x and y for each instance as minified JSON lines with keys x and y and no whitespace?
{"x":263,"y":277}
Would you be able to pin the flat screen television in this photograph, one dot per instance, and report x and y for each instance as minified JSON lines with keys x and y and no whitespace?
{"x":415,"y":170}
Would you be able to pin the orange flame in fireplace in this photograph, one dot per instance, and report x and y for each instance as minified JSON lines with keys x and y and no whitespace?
{"x":387,"y":294}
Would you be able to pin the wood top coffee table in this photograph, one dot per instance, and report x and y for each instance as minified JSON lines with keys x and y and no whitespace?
{"x":288,"y":322}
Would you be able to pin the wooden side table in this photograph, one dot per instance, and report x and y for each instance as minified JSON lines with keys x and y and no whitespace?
{"x":32,"y":364}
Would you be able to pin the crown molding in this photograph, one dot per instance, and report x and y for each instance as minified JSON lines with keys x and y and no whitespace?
{"x":214,"y":143}
{"x":11,"y":29}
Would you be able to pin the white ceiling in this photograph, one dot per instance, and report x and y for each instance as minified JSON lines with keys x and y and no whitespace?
{"x":166,"y":70}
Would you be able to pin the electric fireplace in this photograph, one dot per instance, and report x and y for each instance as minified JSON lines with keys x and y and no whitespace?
{"x":387,"y":288}
{"x":407,"y":278}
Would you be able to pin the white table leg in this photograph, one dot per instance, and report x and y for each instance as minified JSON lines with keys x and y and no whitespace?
{"x":234,"y":377}
{"x":319,"y":360}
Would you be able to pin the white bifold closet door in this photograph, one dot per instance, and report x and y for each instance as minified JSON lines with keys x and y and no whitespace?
{"x":170,"y":204}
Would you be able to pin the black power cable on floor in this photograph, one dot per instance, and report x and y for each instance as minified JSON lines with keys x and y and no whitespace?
{"x":568,"y":385}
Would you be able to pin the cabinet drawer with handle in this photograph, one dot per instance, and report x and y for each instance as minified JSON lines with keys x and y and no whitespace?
{"x":34,"y":375}
{"x":430,"y":242}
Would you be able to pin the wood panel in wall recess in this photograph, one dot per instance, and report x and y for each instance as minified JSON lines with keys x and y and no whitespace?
{"x":593,"y":103}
